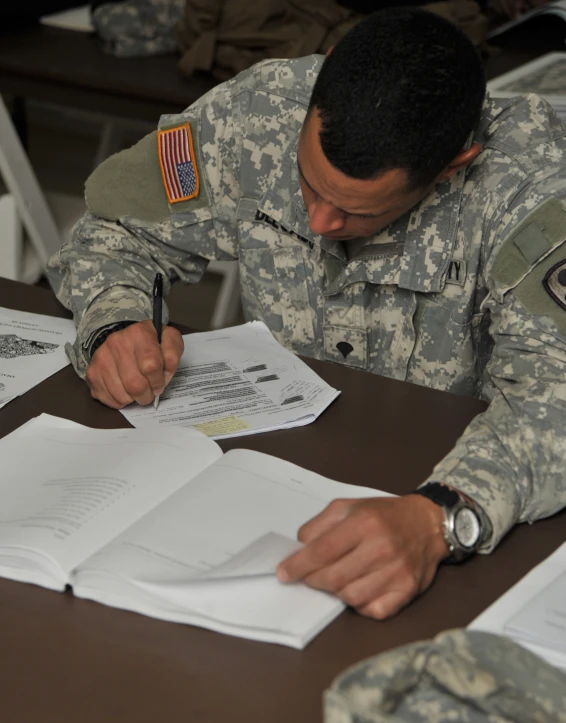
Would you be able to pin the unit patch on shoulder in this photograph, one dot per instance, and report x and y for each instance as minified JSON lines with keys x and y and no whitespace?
{"x":178,"y":164}
{"x":555,"y":283}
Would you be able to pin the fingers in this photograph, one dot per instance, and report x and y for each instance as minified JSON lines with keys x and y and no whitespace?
{"x":172,"y":348}
{"x":116,"y":399}
{"x":383,"y":592}
{"x":132,"y":366}
{"x":318,"y":556}
{"x":381,"y":554}
{"x":334,"y":513}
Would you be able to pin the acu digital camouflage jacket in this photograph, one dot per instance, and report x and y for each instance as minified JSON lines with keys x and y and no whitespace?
{"x":465,"y":293}
{"x":463,"y":676}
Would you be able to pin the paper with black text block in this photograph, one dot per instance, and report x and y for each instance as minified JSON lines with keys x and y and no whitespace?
{"x":237,"y":381}
{"x":159,"y":522}
{"x":32,"y":348}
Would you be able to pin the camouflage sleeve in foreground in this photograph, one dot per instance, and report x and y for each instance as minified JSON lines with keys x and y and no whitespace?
{"x":511,"y":458}
{"x":464,"y":676}
{"x":105,"y":274}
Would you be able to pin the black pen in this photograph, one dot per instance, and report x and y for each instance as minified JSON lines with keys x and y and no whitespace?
{"x":157,"y":314}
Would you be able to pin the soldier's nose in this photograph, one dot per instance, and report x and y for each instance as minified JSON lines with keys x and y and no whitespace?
{"x":324,"y":219}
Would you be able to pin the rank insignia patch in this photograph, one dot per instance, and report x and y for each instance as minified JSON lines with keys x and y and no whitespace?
{"x":178,"y":163}
{"x":555,"y":283}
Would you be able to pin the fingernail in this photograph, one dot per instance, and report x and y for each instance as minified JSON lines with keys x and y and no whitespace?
{"x":168,"y":377}
{"x":282,"y":575}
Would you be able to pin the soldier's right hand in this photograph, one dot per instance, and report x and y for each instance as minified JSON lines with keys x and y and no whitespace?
{"x":131,"y":366}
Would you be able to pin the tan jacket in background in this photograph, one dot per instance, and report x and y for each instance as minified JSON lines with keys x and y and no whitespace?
{"x":227,"y":36}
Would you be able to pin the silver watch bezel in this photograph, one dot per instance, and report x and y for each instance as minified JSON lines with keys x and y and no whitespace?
{"x":458,"y":550}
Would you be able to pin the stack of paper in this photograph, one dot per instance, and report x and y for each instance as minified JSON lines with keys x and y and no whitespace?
{"x":158,"y":521}
{"x":32,"y":348}
{"x":533,"y":612}
{"x":237,"y":381}
{"x":545,"y":76}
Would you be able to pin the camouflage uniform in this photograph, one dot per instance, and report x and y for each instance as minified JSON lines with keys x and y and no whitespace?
{"x":414,"y":303}
{"x":138,"y":27}
{"x":469,"y":677}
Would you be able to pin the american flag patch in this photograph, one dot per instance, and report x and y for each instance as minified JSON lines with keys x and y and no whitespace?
{"x":178,"y":163}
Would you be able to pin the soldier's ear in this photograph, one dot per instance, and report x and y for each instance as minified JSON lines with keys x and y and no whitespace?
{"x":463,"y":159}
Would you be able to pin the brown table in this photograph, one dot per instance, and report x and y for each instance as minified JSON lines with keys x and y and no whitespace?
{"x":66,"y":660}
{"x":68,"y":68}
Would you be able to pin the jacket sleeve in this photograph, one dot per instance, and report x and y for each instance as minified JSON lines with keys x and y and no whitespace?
{"x":105,"y":274}
{"x":510,"y":460}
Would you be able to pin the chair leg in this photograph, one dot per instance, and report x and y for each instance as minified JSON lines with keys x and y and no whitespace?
{"x":22,"y":184}
{"x":12,"y":239}
{"x":228,"y":301}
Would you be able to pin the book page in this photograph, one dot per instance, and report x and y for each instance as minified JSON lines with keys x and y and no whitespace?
{"x":81,"y":487}
{"x":241,"y":497}
{"x":237,"y":381}
{"x":209,"y":552}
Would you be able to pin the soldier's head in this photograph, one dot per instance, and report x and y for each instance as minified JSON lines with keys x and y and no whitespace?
{"x":390,"y":115}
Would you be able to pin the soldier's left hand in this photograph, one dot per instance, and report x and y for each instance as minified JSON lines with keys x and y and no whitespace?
{"x":376,"y":554}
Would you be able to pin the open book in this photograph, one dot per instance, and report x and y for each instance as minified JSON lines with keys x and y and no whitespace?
{"x":161,"y":523}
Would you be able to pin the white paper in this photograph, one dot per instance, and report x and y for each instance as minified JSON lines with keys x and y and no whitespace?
{"x":207,"y":555}
{"x":237,"y":381}
{"x":74,"y":19}
{"x":32,"y":348}
{"x":530,"y":610}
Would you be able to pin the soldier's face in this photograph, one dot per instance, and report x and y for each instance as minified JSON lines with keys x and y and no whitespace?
{"x":344,"y":208}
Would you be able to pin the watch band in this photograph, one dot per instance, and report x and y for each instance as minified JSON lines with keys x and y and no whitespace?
{"x":105,"y":333}
{"x":439,"y":493}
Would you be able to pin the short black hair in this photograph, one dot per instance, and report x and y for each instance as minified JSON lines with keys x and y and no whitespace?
{"x":403,"y":89}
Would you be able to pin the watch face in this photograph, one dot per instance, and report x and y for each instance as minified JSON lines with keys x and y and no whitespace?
{"x":467,"y":527}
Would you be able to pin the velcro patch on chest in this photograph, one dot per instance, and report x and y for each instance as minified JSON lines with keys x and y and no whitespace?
{"x":177,"y":160}
{"x":555,"y":283}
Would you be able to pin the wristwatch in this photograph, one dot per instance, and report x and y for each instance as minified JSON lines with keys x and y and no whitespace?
{"x":463,"y":527}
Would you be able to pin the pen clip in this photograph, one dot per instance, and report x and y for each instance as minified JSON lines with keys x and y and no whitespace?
{"x":158,"y":285}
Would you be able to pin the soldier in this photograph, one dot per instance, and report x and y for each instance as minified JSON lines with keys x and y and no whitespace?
{"x":385,"y":215}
